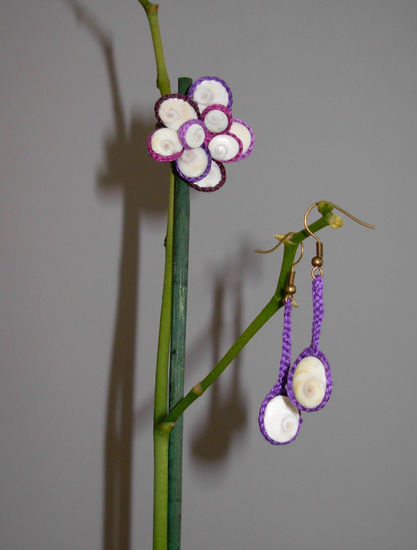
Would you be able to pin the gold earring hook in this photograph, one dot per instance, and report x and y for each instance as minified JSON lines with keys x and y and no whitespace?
{"x":280,"y":241}
{"x":357,"y":220}
{"x":290,"y":288}
{"x":317,"y":261}
{"x":301,"y":255}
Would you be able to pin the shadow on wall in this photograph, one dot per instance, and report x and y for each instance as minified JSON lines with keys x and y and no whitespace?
{"x":227,"y":415}
{"x":142,"y":183}
{"x":227,"y":409}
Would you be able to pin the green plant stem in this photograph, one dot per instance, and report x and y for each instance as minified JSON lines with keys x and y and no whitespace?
{"x":162,"y":78}
{"x":178,"y":338}
{"x":162,"y":430}
{"x":267,"y":312}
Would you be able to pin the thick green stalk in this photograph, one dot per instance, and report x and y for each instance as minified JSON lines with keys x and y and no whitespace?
{"x":267,"y":312}
{"x":178,"y":337}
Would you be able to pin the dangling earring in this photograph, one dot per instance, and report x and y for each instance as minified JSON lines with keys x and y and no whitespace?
{"x":279,"y":420}
{"x":309,"y":383}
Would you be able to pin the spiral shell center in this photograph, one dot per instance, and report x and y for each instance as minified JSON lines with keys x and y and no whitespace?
{"x":281,"y":419}
{"x":216,"y":121}
{"x":194,"y":136}
{"x":309,"y":382}
{"x":203,"y":96}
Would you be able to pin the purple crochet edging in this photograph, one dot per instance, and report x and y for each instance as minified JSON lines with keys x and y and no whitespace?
{"x":203,"y":175}
{"x":157,"y":156}
{"x":182,"y":131}
{"x":202,"y":79}
{"x":313,"y":349}
{"x":252,"y":135}
{"x":277,"y":389}
{"x":223,"y":109}
{"x":239,"y":142}
{"x":210,"y":189}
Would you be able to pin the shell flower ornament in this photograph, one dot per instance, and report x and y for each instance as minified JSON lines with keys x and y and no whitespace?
{"x":198,"y":132}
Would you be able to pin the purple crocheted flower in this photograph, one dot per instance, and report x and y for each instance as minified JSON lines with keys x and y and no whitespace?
{"x":198,"y":132}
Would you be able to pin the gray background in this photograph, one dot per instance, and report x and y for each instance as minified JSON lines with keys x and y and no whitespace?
{"x":329,"y":88}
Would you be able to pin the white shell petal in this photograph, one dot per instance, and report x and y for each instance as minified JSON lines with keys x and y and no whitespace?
{"x":223,"y":147}
{"x":212,"y":179}
{"x":243,"y":134}
{"x":194,"y":136}
{"x":281,"y":419}
{"x":193,"y":162}
{"x":174,"y":111}
{"x":216,"y":121}
{"x":165,"y":142}
{"x":309,"y":382}
{"x":210,"y":92}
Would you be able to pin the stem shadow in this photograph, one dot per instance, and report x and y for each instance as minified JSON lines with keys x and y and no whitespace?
{"x":227,"y":413}
{"x":128,"y":170}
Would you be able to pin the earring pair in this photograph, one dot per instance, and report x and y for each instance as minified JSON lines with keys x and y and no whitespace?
{"x":306,"y":384}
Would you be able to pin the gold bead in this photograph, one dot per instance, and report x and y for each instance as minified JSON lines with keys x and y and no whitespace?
{"x":290,"y":289}
{"x":317,"y":261}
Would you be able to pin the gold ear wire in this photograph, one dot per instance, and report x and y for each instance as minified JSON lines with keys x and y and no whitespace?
{"x":317,"y":261}
{"x":280,"y":241}
{"x":290,"y":288}
{"x":301,"y":255}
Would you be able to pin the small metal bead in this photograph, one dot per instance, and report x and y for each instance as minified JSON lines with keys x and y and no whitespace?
{"x":317,"y":261}
{"x":290,"y":289}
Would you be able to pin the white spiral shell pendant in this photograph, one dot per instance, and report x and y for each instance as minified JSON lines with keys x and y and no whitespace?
{"x":194,"y":163}
{"x":243,"y":132}
{"x":194,"y":136}
{"x":210,"y":90}
{"x":165,"y":143}
{"x":214,"y":179}
{"x":225,"y":147}
{"x":281,"y":419}
{"x":174,"y":111}
{"x":309,"y":382}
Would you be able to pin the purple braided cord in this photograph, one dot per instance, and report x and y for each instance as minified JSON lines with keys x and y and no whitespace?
{"x":318,"y":312}
{"x":284,"y":365}
{"x":313,"y":349}
{"x":286,"y":343}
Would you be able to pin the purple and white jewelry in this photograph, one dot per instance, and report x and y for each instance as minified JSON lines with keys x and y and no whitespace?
{"x":309,"y":383}
{"x":198,"y":133}
{"x":279,"y":419}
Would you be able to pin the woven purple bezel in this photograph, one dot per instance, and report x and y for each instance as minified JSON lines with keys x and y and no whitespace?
{"x":182,"y":131}
{"x":309,"y":352}
{"x":202,"y":79}
{"x":203,"y":175}
{"x":252,"y":135}
{"x":157,"y":156}
{"x":216,"y":187}
{"x":275,"y":392}
{"x":175,"y":96}
{"x":223,"y":109}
